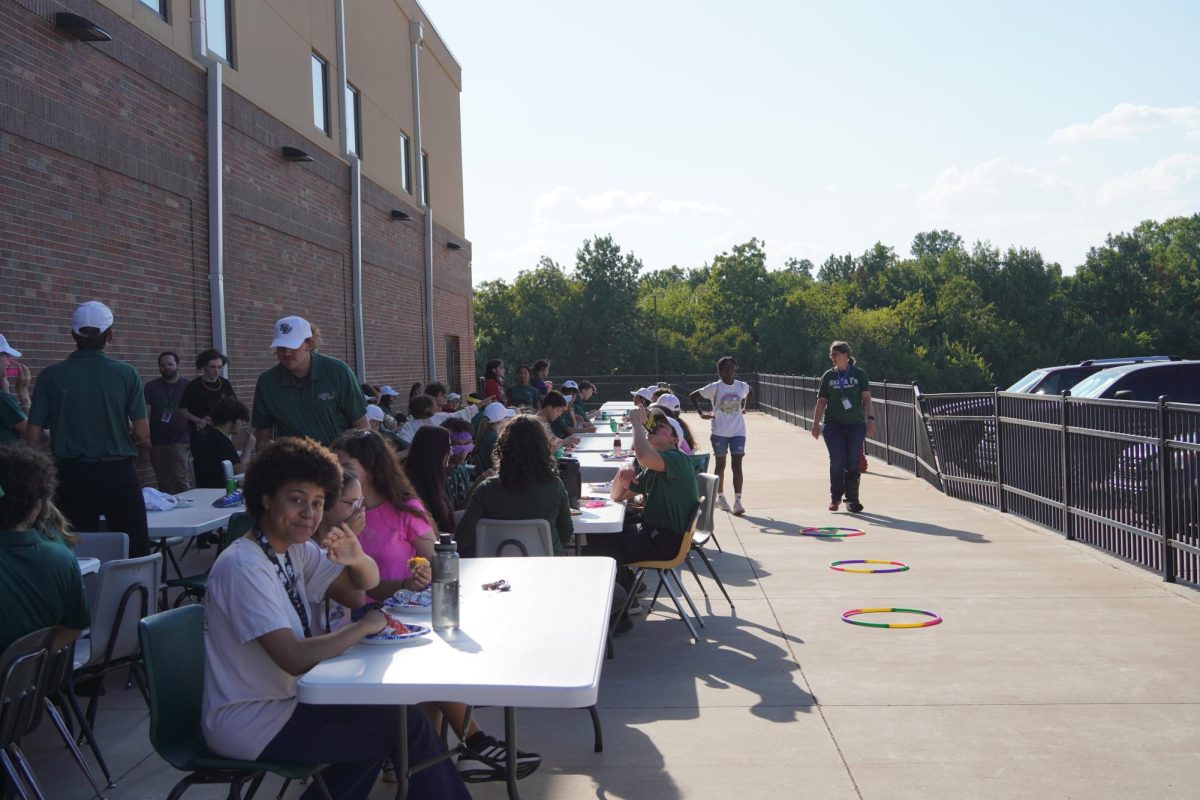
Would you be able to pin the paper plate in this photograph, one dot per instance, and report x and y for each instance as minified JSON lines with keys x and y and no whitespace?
{"x":389,"y":636}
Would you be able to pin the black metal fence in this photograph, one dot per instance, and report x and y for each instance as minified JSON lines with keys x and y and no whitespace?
{"x":1120,"y":475}
{"x":618,"y":387}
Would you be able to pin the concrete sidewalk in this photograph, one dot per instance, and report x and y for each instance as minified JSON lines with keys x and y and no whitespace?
{"x":1059,"y":672}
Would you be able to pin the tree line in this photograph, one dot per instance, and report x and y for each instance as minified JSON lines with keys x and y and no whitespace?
{"x":948,"y":317}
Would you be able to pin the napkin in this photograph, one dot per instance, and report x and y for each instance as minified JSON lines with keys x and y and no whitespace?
{"x":158,"y":501}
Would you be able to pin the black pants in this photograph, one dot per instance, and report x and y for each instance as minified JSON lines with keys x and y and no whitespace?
{"x":87,"y":489}
{"x":635,"y":543}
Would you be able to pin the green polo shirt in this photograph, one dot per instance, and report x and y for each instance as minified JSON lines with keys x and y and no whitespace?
{"x":484,"y":449}
{"x":561,"y":427}
{"x":526,"y":395}
{"x":322,"y":407}
{"x":851,"y":386}
{"x":40,"y":586}
{"x":671,"y":496}
{"x":580,"y":410}
{"x":87,"y":402}
{"x":546,"y":501}
{"x":11,"y":416}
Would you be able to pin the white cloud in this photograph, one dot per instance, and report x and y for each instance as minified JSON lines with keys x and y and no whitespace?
{"x":996,"y":187}
{"x":1170,"y":186}
{"x":564,"y":206}
{"x":1126,"y":121}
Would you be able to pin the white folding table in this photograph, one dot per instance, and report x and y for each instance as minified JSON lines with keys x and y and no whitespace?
{"x":594,"y":468}
{"x":601,"y":442}
{"x":195,"y":515}
{"x":608,"y":518}
{"x":539,"y":645}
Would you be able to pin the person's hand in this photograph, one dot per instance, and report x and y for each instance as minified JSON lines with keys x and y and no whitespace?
{"x":625,"y":475}
{"x":816,"y":430}
{"x":573,"y":441}
{"x":373,"y":622}
{"x":870,"y":427}
{"x":639,"y":415}
{"x":342,"y":546}
{"x":356,"y":521}
{"x":706,"y":415}
{"x":203,"y":423}
{"x":23,"y":377}
{"x":421,"y":577}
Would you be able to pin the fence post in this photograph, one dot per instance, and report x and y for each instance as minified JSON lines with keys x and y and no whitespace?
{"x":918,"y":426}
{"x":1164,"y":493}
{"x":1068,"y":527}
{"x":883,"y":415}
{"x":1001,"y":498}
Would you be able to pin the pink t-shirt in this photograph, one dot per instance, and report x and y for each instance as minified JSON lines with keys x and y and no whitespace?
{"x":388,"y":537}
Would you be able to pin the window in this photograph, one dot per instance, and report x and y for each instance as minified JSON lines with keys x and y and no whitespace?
{"x":353,"y":121}
{"x":425,"y":179}
{"x":405,"y":164}
{"x":218,"y":24}
{"x":157,"y":6}
{"x":320,"y":89}
{"x":453,"y":364}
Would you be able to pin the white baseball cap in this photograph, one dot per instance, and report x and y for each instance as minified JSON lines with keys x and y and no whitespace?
{"x":291,"y":332}
{"x":646,"y":393}
{"x":667,"y":401}
{"x":92,"y":314}
{"x":570,"y":385}
{"x":375,"y":413}
{"x":496,"y":412}
{"x":7,"y":348}
{"x":388,"y":391}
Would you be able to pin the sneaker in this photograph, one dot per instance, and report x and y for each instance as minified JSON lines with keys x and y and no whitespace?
{"x":473,"y":768}
{"x":722,"y":503}
{"x":738,"y":508}
{"x":834,"y":505}
{"x":624,"y":625}
{"x":642,"y":590}
{"x":388,"y":773}
{"x":854,"y":507}
{"x":635,"y":609}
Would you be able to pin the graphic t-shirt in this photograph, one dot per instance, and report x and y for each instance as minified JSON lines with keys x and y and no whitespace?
{"x":849,"y":385}
{"x":727,"y":406}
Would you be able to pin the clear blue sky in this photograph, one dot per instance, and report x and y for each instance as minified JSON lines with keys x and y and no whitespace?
{"x":683,"y":128}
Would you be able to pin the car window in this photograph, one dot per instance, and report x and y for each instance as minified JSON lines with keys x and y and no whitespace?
{"x":1187,"y":390}
{"x":1027,"y":383}
{"x":1146,"y":384}
{"x":1094,"y":385}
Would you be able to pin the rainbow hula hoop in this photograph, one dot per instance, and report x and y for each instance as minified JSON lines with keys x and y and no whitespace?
{"x":899,"y":566}
{"x":832,"y":533}
{"x":846,"y":615}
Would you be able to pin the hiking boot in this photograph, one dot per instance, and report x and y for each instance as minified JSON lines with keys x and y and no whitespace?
{"x":853,"y":482}
{"x":474,"y":766}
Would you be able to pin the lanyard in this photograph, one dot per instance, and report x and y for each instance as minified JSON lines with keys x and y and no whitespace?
{"x":287,"y":574}
{"x":842,"y":380}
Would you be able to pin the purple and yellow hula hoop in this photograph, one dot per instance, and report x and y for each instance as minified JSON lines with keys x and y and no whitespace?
{"x":832,"y":533}
{"x":897,"y":566}
{"x":846,"y":615}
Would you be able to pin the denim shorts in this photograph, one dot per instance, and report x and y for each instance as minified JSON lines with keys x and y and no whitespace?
{"x":728,"y":444}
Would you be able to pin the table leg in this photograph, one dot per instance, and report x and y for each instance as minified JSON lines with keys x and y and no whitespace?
{"x":401,"y":759}
{"x":510,"y":740}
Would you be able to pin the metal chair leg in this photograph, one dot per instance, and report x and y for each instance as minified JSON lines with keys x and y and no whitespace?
{"x":692,"y":569}
{"x":712,"y":571}
{"x":682,"y":614}
{"x":26,"y":771}
{"x":683,"y":590}
{"x":14,"y":777}
{"x":713,"y":536}
{"x":61,"y":725}
{"x":85,"y":731}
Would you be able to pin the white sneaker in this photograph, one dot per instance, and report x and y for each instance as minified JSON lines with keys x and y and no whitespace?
{"x":738,"y":508}
{"x":722,"y":503}
{"x":635,"y":610}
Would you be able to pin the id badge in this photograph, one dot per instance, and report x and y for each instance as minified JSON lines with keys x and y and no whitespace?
{"x":846,"y":404}
{"x":166,"y":417}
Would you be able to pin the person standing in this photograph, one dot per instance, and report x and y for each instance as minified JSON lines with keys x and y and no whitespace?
{"x":729,"y":398}
{"x":13,"y":407}
{"x":201,"y":396}
{"x":307,"y":393}
{"x":493,"y":381}
{"x":522,"y":393}
{"x":89,"y":401}
{"x":844,"y":402}
{"x":169,"y":433}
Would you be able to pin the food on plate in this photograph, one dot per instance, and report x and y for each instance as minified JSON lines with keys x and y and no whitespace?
{"x":397,"y":628}
{"x":417,"y":561}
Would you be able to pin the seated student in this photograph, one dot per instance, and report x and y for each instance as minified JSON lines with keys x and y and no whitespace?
{"x":428,"y":459}
{"x":642,"y":397}
{"x":586,"y":390}
{"x":459,"y":474}
{"x":40,"y":584}
{"x":259,"y":639}
{"x":579,"y":421}
{"x":347,"y":512}
{"x":490,"y":422}
{"x":523,"y":394}
{"x":541,"y":371}
{"x":439,"y":393}
{"x":423,"y":410}
{"x":397,"y":528}
{"x":670,"y":404}
{"x":553,"y":412}
{"x":453,"y":403}
{"x":526,"y":486}
{"x":214,"y":443}
{"x":668,"y":482}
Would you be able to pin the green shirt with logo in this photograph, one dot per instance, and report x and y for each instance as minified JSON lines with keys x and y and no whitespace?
{"x":87,"y":402}
{"x":40,"y":586}
{"x":672,"y":495}
{"x":850,"y":385}
{"x":322,"y":406}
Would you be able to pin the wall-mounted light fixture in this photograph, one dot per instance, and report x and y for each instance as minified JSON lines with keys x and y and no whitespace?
{"x":453,"y":245}
{"x":295,"y":154}
{"x":401,"y":216}
{"x":80,"y":28}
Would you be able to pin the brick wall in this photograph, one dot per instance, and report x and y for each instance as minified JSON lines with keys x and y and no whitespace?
{"x":103,"y":194}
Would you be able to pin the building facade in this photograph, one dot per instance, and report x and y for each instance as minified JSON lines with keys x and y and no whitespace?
{"x":105,"y":159}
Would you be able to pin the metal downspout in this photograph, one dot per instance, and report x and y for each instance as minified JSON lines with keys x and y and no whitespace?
{"x":360,"y":348}
{"x":416,"y":40}
{"x":216,"y":186}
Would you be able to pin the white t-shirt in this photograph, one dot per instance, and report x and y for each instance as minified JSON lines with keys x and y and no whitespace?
{"x":247,"y":696}
{"x":410,"y":428}
{"x":727,"y":407}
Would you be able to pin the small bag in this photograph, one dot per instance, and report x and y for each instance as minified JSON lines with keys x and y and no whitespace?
{"x":572,"y":478}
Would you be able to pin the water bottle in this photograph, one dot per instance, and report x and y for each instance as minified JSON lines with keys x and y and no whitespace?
{"x":230,"y":481}
{"x":612,"y":424}
{"x":445,"y":584}
{"x":617,"y":449}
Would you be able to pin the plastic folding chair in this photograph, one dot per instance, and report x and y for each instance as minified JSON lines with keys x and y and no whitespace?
{"x":513,"y":537}
{"x":666,"y":573}
{"x":194,"y":586}
{"x":173,"y":650}
{"x":703,"y":532}
{"x":22,"y":687}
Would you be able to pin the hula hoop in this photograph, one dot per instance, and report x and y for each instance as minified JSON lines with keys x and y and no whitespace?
{"x":900,"y":566}
{"x":832,"y":533}
{"x":846,"y":615}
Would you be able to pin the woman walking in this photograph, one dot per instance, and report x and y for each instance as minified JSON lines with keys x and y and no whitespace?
{"x":844,"y":402}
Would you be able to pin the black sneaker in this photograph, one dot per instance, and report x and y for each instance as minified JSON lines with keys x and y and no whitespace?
{"x":854,"y":507}
{"x":485,"y":760}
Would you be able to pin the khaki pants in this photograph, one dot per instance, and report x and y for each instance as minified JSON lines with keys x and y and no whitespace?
{"x":171,"y":467}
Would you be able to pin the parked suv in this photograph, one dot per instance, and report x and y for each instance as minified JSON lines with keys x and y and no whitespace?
{"x":1053,"y":380}
{"x":1179,"y":380}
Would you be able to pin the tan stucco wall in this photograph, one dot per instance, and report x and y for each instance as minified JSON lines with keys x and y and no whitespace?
{"x":273,"y":41}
